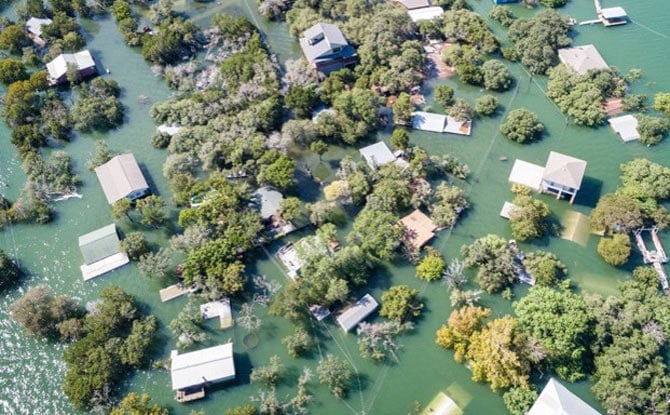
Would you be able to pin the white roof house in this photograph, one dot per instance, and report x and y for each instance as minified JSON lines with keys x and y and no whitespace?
{"x":377,"y":155}
{"x":426,"y":13}
{"x":121,"y":177}
{"x":526,"y":174}
{"x":582,"y":59}
{"x":564,"y":170}
{"x":210,"y":365}
{"x":626,"y":127}
{"x":101,"y":252}
{"x":439,"y":123}
{"x":353,"y":315}
{"x":34,"y":25}
{"x":83,"y":61}
{"x":555,"y":399}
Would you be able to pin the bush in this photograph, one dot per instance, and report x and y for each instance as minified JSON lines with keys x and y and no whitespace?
{"x":486,"y":105}
{"x":135,"y":245}
{"x":502,"y":15}
{"x":401,"y":303}
{"x":12,"y":70}
{"x":522,"y":126}
{"x":615,"y":250}
{"x":161,"y":140}
{"x":496,"y":75}
{"x":444,"y":95}
{"x":652,"y":129}
{"x":431,"y":266}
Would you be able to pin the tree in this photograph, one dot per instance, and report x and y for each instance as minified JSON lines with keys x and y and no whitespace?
{"x":465,"y":26}
{"x":662,"y":103}
{"x":560,"y":322}
{"x":486,"y":105}
{"x":279,"y":173}
{"x":179,"y":37}
{"x":9,"y":271}
{"x":449,"y":202}
{"x":617,"y":213}
{"x":496,"y":75}
{"x":242,"y":410}
{"x":98,"y":106}
{"x":301,"y":100}
{"x":155,"y":265}
{"x":187,"y":326}
{"x":544,"y":267}
{"x":377,"y":340}
{"x":522,"y":125}
{"x":461,"y":110}
{"x":643,"y":179}
{"x":298,"y":343}
{"x":13,"y":38}
{"x":12,"y":70}
{"x":652,"y":129}
{"x":401,"y":303}
{"x":290,"y":208}
{"x":40,"y":313}
{"x":377,"y":233}
{"x":152,"y":209}
{"x":529,"y":219}
{"x":134,"y":404}
{"x":615,"y":250}
{"x":444,"y":95}
{"x":402,"y":109}
{"x":319,"y":147}
{"x":399,"y":138}
{"x":121,"y":208}
{"x":554,"y":3}
{"x":537,"y":39}
{"x":492,"y":255}
{"x":102,"y":155}
{"x":502,"y":15}
{"x":269,"y":374}
{"x":431,"y":267}
{"x":335,"y":373}
{"x":135,"y":245}
{"x":519,"y":400}
{"x":462,"y":324}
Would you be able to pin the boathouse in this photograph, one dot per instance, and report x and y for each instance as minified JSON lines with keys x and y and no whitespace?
{"x":556,"y":399}
{"x":418,"y":229}
{"x":613,"y":16}
{"x":326,"y":49}
{"x":626,"y":127}
{"x":357,"y":312}
{"x":192,"y":372}
{"x":82,"y":61}
{"x":101,"y":252}
{"x":121,"y":177}
{"x":439,"y":123}
{"x":582,"y":59}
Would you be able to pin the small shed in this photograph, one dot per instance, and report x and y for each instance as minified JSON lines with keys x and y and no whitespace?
{"x":220,"y":309}
{"x":121,"y":178}
{"x":101,"y":252}
{"x":377,"y":155}
{"x":526,"y":174}
{"x":357,"y":312}
{"x":439,"y":123}
{"x":556,"y":399}
{"x":582,"y":59}
{"x":191,"y":372}
{"x":426,"y":13}
{"x":626,"y":127}
{"x":419,"y":229}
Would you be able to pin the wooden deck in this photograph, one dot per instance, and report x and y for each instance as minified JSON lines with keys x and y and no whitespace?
{"x":173,"y":291}
{"x":656,"y":257}
{"x":104,"y":266}
{"x":183,"y":396}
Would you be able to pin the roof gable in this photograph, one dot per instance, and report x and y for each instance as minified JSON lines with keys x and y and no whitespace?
{"x":321,"y":40}
{"x":555,"y":399}
{"x":120,"y":177}
{"x":81,"y":60}
{"x":564,"y":170}
{"x":206,"y":365}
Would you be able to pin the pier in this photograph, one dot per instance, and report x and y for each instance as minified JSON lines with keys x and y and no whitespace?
{"x":610,"y":16}
{"x":657,"y":256}
{"x":521,"y":273}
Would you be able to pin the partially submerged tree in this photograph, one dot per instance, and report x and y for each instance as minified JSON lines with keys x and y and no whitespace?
{"x":335,"y":373}
{"x":401,"y":303}
{"x":615,"y":250}
{"x":522,"y":126}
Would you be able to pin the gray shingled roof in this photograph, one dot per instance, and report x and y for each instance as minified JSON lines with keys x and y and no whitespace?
{"x":564,"y":170}
{"x":332,"y":38}
{"x":268,"y":201}
{"x":582,"y":58}
{"x":120,"y":177}
{"x":99,"y":244}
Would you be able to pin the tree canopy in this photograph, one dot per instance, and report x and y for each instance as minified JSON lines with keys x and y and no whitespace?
{"x":522,"y":126}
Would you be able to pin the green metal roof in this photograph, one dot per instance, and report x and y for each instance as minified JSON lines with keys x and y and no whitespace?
{"x":99,"y":244}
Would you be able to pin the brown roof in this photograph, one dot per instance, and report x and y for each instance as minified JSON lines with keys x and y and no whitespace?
{"x":419,"y":229}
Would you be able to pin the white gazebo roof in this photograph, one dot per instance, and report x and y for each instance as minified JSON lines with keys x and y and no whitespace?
{"x":213,"y":364}
{"x":527,"y":174}
{"x":626,"y":127}
{"x":555,"y":399}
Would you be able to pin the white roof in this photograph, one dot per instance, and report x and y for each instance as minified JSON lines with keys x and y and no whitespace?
{"x":169,"y":129}
{"x":507,"y":209}
{"x":213,"y":364}
{"x":613,"y":12}
{"x":439,"y":123}
{"x":626,"y":127}
{"x":414,"y":4}
{"x":527,"y":174}
{"x":58,"y":67}
{"x":357,"y":312}
{"x":582,"y":58}
{"x":564,"y":170}
{"x":555,"y":399}
{"x":426,"y":13}
{"x":215,"y":309}
{"x":120,"y":177}
{"x":34,"y":25}
{"x":377,"y":154}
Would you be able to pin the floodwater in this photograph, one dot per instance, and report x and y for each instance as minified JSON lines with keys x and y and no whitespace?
{"x":33,"y":370}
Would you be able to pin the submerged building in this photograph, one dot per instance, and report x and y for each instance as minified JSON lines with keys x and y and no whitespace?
{"x":101,"y":252}
{"x":326,"y":49}
{"x":82,"y":61}
{"x":191,"y":372}
{"x":121,"y":177}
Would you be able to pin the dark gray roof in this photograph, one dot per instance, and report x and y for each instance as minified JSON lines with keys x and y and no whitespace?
{"x":320,"y":40}
{"x":99,"y":244}
{"x":267,"y":200}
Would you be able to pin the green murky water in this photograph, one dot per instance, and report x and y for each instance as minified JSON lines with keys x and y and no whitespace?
{"x":32,"y":370}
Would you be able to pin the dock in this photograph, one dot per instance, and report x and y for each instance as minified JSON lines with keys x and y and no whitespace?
{"x":521,"y":273}
{"x":174,"y":291}
{"x":657,"y":256}
{"x":610,"y":16}
{"x":187,"y":396}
